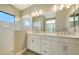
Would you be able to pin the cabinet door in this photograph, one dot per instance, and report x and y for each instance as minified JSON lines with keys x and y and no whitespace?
{"x":33,"y":44}
{"x":36,"y":45}
{"x":30,"y":43}
{"x":73,"y":49}
{"x":57,"y":48}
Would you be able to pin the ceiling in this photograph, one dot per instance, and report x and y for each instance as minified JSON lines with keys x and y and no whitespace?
{"x":21,"y":6}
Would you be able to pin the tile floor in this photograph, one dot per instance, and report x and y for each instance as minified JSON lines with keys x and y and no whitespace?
{"x":28,"y":52}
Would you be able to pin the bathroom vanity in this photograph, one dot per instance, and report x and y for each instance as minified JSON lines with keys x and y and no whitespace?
{"x":53,"y":44}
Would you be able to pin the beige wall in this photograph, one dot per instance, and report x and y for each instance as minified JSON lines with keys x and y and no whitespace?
{"x":20,"y":37}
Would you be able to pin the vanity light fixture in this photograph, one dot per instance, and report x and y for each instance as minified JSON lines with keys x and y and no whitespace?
{"x":55,"y":8}
{"x":68,"y":6}
{"x":40,"y":12}
{"x":33,"y":14}
{"x":37,"y":13}
{"x":61,"y":7}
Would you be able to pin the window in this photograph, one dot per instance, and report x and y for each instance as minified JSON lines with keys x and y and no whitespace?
{"x":6,"y":17}
{"x":50,"y":25}
{"x":74,"y":22}
{"x":71,"y":20}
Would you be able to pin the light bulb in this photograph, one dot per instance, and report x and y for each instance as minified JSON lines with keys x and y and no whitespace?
{"x":40,"y":12}
{"x":61,"y":7}
{"x":33,"y":14}
{"x":55,"y":8}
{"x":37,"y":14}
{"x":68,"y":6}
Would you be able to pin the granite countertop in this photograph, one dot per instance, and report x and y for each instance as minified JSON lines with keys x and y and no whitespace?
{"x":54,"y":34}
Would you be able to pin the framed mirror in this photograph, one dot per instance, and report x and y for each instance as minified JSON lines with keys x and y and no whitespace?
{"x":38,"y":24}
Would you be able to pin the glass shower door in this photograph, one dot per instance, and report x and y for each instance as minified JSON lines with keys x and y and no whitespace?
{"x":7,"y":42}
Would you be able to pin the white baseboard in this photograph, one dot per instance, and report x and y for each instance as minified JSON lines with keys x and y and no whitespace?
{"x":21,"y":52}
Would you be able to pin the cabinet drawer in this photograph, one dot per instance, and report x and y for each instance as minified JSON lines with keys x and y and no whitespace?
{"x":59,"y":39}
{"x":43,"y":37}
{"x":33,"y":36}
{"x":74,"y":41}
{"x":45,"y":44}
{"x":45,"y":51}
{"x":45,"y":40}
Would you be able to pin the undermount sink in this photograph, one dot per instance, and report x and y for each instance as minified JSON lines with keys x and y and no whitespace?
{"x":65,"y":33}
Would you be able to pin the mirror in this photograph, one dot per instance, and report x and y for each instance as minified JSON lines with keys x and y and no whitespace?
{"x":77,"y":22}
{"x":74,"y":19}
{"x":50,"y":25}
{"x":61,"y":18}
{"x":50,"y":18}
{"x":38,"y":24}
{"x":67,"y":19}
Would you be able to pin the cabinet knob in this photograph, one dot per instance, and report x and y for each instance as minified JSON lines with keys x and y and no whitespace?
{"x":64,"y":48}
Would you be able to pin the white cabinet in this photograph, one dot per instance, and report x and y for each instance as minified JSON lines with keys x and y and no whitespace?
{"x":45,"y":45}
{"x":29,"y":42}
{"x":57,"y":48}
{"x":36,"y":45}
{"x":45,"y":42}
{"x":45,"y":51}
{"x":64,"y":48}
{"x":73,"y":49}
{"x":33,"y":43}
{"x":51,"y":45}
